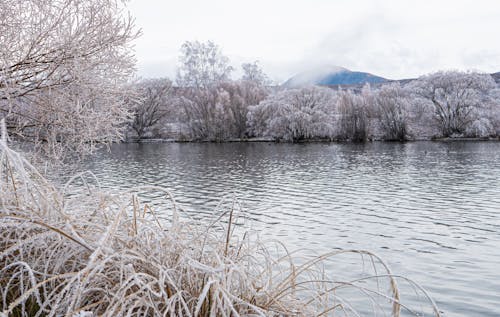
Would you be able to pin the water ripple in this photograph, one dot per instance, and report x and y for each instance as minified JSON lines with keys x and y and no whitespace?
{"x":430,"y":209}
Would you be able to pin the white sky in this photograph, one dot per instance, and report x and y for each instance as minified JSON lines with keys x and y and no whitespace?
{"x":390,"y":38}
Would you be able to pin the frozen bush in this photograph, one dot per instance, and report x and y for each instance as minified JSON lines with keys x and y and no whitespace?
{"x":294,"y":115}
{"x":481,"y":127}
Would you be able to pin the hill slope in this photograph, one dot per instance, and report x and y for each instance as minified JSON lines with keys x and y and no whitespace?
{"x":329,"y":76}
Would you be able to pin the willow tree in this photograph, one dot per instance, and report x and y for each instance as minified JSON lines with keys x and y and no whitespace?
{"x":353,"y":120}
{"x":393,"y":107}
{"x":458,"y":98}
{"x":294,"y":115}
{"x":63,"y":69}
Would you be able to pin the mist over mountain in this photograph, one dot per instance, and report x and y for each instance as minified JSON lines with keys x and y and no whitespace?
{"x":333,"y":75}
{"x":343,"y":77}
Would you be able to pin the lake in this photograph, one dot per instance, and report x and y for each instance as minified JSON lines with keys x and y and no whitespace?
{"x":431,"y":210}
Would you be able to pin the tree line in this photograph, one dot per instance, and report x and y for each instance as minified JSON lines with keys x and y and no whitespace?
{"x":67,"y":85}
{"x":207,"y":105}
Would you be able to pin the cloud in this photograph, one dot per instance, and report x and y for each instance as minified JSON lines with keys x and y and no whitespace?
{"x":390,"y":38}
{"x":399,"y":46}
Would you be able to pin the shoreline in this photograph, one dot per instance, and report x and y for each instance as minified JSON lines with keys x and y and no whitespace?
{"x":271,"y":140}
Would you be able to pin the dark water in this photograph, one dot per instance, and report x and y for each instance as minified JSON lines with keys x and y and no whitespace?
{"x":431,"y":210}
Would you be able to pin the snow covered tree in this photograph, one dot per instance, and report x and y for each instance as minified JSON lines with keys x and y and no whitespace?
{"x":457,"y":97}
{"x":393,"y":107}
{"x":493,"y":110}
{"x":294,"y":115}
{"x":252,"y":72}
{"x":353,"y":116}
{"x":151,"y":104}
{"x":480,"y":128}
{"x":204,"y":113}
{"x":241,"y":95}
{"x":203,"y":68}
{"x":63,"y":69}
{"x":220,"y":112}
{"x":215,"y":108}
{"x":202,"y":65}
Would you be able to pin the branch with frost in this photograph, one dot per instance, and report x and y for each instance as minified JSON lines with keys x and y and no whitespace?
{"x":152,"y":104}
{"x":63,"y":66}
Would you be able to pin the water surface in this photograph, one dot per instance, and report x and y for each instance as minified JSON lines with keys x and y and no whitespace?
{"x":431,"y":210}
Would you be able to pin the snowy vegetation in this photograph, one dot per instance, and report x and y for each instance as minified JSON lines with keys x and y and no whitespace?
{"x":65,"y":86}
{"x":150,"y":104}
{"x":294,"y":115}
{"x":215,"y":108}
{"x":458,"y":98}
{"x":353,"y":111}
{"x":64,"y":68}
{"x":393,"y":111}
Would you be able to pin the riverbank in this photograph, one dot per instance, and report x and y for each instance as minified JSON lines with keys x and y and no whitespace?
{"x":271,"y":140}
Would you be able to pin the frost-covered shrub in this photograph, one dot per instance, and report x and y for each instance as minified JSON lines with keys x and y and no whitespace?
{"x":493,"y":110}
{"x":421,"y":120}
{"x":481,"y":127}
{"x":294,"y":115}
{"x":241,"y":95}
{"x":204,"y":113}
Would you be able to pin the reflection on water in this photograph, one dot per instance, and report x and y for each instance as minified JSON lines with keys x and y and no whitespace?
{"x":431,"y":210}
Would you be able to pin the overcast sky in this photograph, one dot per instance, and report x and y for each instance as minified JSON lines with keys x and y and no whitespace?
{"x":389,"y":38}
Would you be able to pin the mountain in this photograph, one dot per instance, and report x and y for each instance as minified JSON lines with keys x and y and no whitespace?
{"x":333,"y":75}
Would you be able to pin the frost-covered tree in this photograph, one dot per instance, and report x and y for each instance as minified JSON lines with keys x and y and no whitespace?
{"x":203,"y":68}
{"x":493,"y":110}
{"x":204,"y":114}
{"x":151,"y":104}
{"x":215,"y":108}
{"x":393,"y":107}
{"x":457,"y":97}
{"x":252,"y":72}
{"x":63,"y":66}
{"x":294,"y":115}
{"x":202,"y":65}
{"x":248,"y":91}
{"x":220,"y":112}
{"x":241,"y":95}
{"x":353,"y":118}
